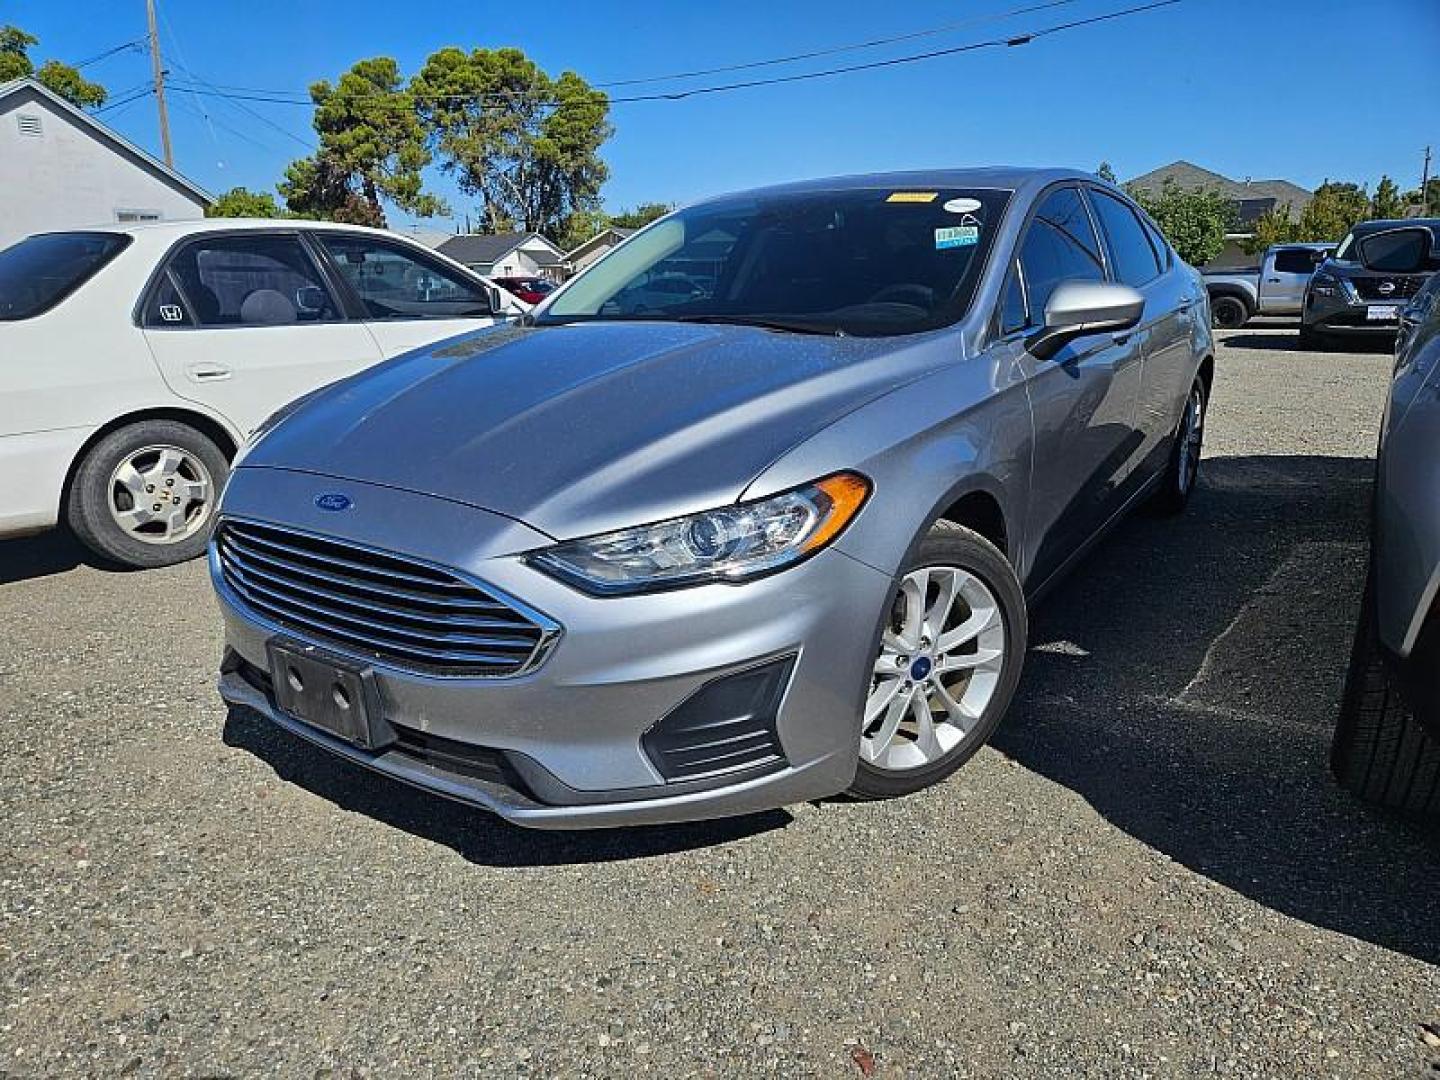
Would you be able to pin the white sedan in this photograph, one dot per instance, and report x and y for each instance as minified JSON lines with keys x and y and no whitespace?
{"x":135,"y":360}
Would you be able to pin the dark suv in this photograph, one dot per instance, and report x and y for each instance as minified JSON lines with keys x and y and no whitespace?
{"x":1377,"y":269}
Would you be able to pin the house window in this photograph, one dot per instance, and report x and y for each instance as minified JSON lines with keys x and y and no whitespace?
{"x":29,"y":125}
{"x":137,"y":215}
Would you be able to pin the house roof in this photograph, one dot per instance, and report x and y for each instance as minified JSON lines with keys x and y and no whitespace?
{"x":102,"y":133}
{"x":471,"y":248}
{"x":1187,"y":175}
{"x":612,"y":233}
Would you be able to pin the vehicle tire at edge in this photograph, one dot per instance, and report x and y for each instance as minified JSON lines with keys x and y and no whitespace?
{"x":1311,"y":341}
{"x":1173,"y":494}
{"x":1381,"y":752}
{"x":1228,"y":312}
{"x":87,"y":509}
{"x":949,"y":544}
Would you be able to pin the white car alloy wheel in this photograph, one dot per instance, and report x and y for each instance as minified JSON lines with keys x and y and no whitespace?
{"x":161,"y":494}
{"x":940,"y":665}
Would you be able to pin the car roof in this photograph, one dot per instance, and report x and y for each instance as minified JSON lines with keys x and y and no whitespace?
{"x":1382,"y":224}
{"x":175,"y":229}
{"x":998,"y":177}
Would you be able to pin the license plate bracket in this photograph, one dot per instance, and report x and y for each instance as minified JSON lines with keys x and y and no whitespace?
{"x":1382,"y":312}
{"x":338,"y":696}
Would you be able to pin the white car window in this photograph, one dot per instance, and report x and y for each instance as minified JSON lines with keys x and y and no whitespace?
{"x":260,"y":280}
{"x":396,"y":284}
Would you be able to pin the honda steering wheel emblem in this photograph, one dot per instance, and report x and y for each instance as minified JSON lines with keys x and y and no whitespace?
{"x":333,"y":501}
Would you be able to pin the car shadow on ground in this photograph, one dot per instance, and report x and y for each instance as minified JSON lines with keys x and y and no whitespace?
{"x":1185,"y":682}
{"x":1289,"y":341}
{"x":475,"y":835}
{"x":47,"y":553}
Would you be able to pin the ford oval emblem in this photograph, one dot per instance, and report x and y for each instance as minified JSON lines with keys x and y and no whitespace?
{"x":333,"y":501}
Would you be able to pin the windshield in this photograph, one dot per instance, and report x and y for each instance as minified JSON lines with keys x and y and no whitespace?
{"x":863,"y":262}
{"x":39,"y":272}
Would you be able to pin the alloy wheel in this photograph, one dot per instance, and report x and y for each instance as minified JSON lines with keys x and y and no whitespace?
{"x":1192,"y":433}
{"x":161,"y":494}
{"x":940,"y":662}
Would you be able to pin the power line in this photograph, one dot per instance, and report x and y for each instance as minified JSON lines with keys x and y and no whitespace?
{"x":125,"y":99}
{"x":838,"y":49}
{"x":409,"y":99}
{"x":134,"y":45}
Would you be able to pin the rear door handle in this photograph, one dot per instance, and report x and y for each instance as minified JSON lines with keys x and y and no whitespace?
{"x":209,"y":372}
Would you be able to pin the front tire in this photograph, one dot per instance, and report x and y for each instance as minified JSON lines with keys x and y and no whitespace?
{"x":948,"y":661}
{"x":1381,"y":752}
{"x":145,"y":494}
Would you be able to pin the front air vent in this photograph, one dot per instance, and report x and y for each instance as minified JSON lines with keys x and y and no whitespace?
{"x":377,"y":605}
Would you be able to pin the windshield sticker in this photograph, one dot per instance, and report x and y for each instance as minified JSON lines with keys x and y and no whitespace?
{"x":913,"y":196}
{"x":962,"y":206}
{"x":956,"y":236}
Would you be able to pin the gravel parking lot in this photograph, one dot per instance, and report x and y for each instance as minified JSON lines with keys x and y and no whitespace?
{"x":1149,"y":873}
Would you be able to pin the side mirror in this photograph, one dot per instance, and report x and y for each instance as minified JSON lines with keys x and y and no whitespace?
{"x":1077,"y":308}
{"x":1396,"y":251}
{"x":310,"y":299}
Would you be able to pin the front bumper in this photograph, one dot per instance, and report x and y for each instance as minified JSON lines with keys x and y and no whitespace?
{"x":561,"y":746}
{"x":1336,"y":314}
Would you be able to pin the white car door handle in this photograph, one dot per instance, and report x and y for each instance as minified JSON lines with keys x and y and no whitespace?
{"x":209,"y":372}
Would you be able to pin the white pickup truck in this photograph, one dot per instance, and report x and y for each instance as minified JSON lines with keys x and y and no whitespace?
{"x":1276,"y":288}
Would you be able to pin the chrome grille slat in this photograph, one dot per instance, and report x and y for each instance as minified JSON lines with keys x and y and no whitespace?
{"x":244,"y":564}
{"x":389,"y":592}
{"x":379,"y":605}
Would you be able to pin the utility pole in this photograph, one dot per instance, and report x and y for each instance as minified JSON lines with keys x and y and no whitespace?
{"x":158,"y":73}
{"x":1425,"y":186}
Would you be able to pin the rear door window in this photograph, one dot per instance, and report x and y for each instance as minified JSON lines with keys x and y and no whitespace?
{"x":1294,"y":261}
{"x":40,"y":271}
{"x":229,"y":280}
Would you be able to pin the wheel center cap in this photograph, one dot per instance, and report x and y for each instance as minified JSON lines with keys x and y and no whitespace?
{"x":920,"y":668}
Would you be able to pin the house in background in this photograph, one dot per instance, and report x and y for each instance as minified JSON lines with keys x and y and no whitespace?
{"x":60,"y":168}
{"x":507,"y":254}
{"x":431,"y":238}
{"x":597,"y":245}
{"x":1251,"y":198}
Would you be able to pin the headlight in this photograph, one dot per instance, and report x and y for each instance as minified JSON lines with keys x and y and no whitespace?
{"x":1329,"y":285}
{"x":730,"y":544}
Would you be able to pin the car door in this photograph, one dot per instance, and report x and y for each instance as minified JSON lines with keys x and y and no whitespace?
{"x":1282,"y":283}
{"x":1168,"y":365}
{"x":243,"y":322}
{"x":409,"y":296}
{"x":1083,"y":399}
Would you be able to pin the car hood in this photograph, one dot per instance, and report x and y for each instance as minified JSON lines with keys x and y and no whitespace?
{"x":583,"y":428}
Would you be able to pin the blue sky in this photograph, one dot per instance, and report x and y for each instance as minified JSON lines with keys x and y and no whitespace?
{"x":1297,"y":89}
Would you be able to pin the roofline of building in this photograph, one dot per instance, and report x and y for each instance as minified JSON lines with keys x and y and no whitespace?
{"x":29,"y":82}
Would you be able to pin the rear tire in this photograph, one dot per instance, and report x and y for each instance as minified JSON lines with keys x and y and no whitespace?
{"x":1381,"y":752}
{"x":110,"y":508}
{"x":1182,"y":472}
{"x":1228,"y":312}
{"x":964,"y":555}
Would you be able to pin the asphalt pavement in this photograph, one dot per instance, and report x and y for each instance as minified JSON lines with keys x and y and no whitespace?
{"x":1148,"y":873}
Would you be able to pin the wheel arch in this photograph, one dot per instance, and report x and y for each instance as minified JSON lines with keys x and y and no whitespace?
{"x":213,"y":429}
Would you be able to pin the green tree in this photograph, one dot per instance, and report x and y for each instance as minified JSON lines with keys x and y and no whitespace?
{"x":642,"y":215}
{"x":372,"y":147}
{"x":15,"y":63}
{"x":1275,"y":226}
{"x":1387,"y":202}
{"x":1106,"y":173}
{"x":1194,"y":221}
{"x":1418,"y":198}
{"x":525,"y":144}
{"x":241,"y":202}
{"x":1334,"y":209}
{"x":583,"y":225}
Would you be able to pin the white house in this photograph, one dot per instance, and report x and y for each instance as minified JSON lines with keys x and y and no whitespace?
{"x":60,"y":168}
{"x":507,"y":254}
{"x":597,"y":245}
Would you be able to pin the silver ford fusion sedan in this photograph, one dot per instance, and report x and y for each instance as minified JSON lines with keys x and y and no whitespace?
{"x":666,"y":554}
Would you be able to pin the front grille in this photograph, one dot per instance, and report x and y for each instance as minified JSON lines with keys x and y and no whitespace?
{"x":383,"y":607}
{"x":1403,"y":287}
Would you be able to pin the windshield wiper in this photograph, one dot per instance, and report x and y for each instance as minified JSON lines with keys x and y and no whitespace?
{"x":787,"y":326}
